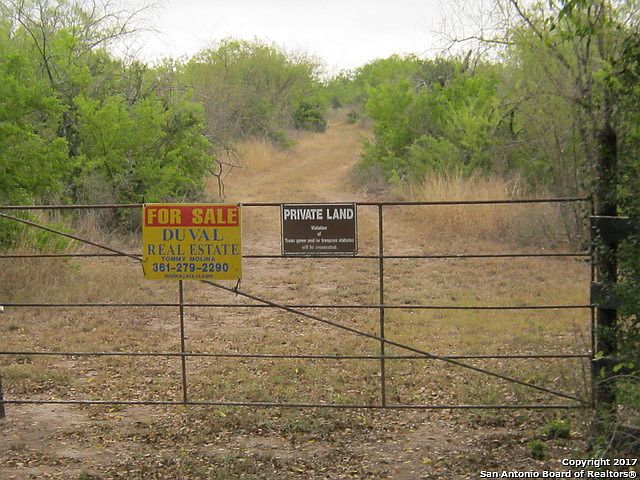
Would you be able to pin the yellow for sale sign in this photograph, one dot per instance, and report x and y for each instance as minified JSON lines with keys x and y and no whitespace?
{"x":191,"y":242}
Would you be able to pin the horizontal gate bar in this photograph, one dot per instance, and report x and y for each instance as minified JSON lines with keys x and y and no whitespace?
{"x":275,"y":204}
{"x":337,"y":306}
{"x":71,"y":207}
{"x":303,"y":405}
{"x":295,"y":356}
{"x":324,"y":257}
{"x":452,"y":256}
{"x":440,"y":202}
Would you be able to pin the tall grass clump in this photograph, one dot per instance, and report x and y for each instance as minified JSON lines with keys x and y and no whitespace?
{"x":525,"y":224}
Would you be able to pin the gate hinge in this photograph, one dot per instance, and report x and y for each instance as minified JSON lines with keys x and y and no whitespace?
{"x":611,"y":229}
{"x":603,"y":297}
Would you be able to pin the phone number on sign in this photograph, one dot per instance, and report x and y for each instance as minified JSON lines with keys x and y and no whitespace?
{"x":190,"y":267}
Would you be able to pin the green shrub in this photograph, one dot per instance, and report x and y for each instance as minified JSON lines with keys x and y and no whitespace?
{"x":280,"y":139}
{"x":421,"y":124}
{"x":309,"y":116}
{"x":557,"y":429}
{"x":537,"y":449}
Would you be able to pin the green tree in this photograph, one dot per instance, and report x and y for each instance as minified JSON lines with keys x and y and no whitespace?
{"x":351,"y":88}
{"x":251,"y":88}
{"x":148,"y":151}
{"x":86,"y":126}
{"x":628,"y":288}
{"x":33,"y":159}
{"x":578,"y":72}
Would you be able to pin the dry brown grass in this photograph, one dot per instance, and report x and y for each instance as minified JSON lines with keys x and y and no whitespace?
{"x":521,"y":224}
{"x":259,"y":154}
{"x":63,"y":279}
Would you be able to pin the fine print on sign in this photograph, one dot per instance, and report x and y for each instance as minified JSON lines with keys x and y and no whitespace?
{"x":319,"y":229}
{"x":191,"y":242}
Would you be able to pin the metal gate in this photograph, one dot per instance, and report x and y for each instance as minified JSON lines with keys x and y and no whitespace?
{"x":308,"y":312}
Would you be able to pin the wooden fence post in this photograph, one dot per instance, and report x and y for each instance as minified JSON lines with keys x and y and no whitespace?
{"x":606,"y":264}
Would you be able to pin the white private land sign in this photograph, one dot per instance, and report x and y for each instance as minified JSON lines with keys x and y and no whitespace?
{"x":191,"y":242}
